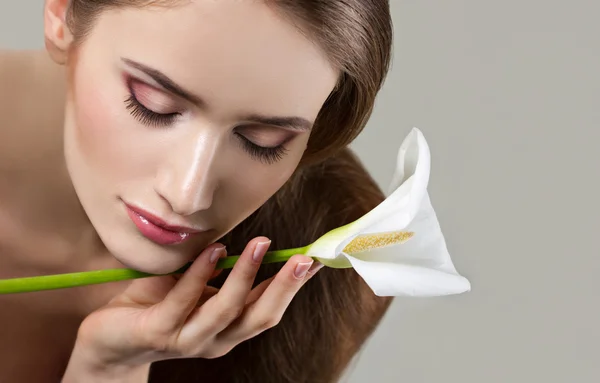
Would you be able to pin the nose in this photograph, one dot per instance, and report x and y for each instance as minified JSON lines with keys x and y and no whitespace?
{"x":188,"y":178}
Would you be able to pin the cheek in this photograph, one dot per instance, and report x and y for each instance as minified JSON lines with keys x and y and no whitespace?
{"x":103,"y":136}
{"x":95,"y":127}
{"x":274,"y":177}
{"x":251,"y":185}
{"x":264,"y":181}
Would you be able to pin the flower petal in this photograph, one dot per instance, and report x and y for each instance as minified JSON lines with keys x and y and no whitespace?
{"x":413,"y":157}
{"x":420,"y":267}
{"x":327,"y":248}
{"x":409,"y":186}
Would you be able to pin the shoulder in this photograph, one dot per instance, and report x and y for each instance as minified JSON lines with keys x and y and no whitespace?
{"x":32,"y":87}
{"x":31,"y":104}
{"x":11,"y":82}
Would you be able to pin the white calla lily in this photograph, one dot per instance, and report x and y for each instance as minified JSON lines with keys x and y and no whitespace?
{"x":398,"y":248}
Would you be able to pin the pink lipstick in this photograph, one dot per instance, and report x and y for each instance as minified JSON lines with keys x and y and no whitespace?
{"x":156,"y":229}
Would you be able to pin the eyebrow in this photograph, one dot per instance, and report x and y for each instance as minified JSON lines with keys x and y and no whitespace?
{"x":294,"y":123}
{"x":165,"y":81}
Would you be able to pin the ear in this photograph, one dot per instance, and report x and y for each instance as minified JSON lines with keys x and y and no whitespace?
{"x":58,"y":37}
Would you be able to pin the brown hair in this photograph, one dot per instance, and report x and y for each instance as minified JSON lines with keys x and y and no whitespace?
{"x":356,"y":34}
{"x":335,"y":312}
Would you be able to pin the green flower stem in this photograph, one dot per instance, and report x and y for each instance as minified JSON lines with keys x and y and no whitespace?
{"x":61,"y":281}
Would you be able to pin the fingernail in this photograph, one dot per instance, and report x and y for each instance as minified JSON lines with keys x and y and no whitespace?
{"x":260,"y":250}
{"x":301,"y":269}
{"x":216,"y":254}
{"x":315,"y":267}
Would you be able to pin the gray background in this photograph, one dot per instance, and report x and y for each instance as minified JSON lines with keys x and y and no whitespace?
{"x":506,"y":93}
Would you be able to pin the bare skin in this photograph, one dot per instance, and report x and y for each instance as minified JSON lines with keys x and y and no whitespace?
{"x":31,"y":153}
{"x":41,"y":328}
{"x":60,"y":215}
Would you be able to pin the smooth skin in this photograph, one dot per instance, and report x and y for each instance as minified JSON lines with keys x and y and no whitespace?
{"x":164,"y":319}
{"x":71,"y":151}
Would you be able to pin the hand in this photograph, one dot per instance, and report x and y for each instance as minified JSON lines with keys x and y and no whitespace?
{"x":164,"y":317}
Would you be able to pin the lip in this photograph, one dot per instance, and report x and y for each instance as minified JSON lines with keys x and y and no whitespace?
{"x":156,"y":229}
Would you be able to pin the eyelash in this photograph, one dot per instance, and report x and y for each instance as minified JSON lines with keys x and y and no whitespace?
{"x":267,"y":155}
{"x":145,"y":115}
{"x":153,"y":119}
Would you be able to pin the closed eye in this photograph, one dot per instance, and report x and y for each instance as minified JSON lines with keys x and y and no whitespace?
{"x":268,"y":155}
{"x":144,"y":113}
{"x":147,"y":116}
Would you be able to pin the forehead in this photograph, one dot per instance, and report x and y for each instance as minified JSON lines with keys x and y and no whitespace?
{"x":229,"y":51}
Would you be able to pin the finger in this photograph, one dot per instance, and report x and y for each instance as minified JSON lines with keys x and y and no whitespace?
{"x":314,"y":269}
{"x":262,"y":287}
{"x":218,"y":271}
{"x":147,"y":291}
{"x":267,"y":311}
{"x":258,"y":291}
{"x":227,"y":305}
{"x":241,"y":279}
{"x":184,"y":296}
{"x":207,"y":294}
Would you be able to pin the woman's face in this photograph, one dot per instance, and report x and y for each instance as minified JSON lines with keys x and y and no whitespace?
{"x":183,"y":121}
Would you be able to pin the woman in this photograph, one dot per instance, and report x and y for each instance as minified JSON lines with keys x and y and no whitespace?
{"x":154,"y":133}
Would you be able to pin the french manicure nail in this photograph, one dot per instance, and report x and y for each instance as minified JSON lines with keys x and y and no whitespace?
{"x":216,"y":254}
{"x":315,"y":267}
{"x":259,"y":251}
{"x":301,"y":269}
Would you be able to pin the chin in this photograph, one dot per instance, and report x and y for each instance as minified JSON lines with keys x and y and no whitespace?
{"x":158,"y":264}
{"x":143,"y":255}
